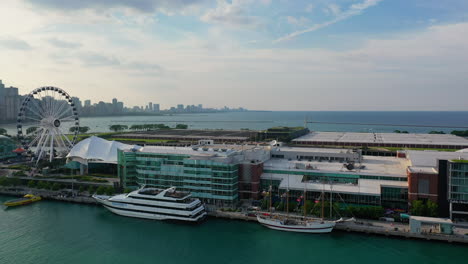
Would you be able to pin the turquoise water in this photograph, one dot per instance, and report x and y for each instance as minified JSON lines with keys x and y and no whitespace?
{"x":263,"y":120}
{"x":55,"y":232}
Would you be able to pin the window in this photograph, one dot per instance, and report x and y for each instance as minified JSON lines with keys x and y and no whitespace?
{"x":423,"y":186}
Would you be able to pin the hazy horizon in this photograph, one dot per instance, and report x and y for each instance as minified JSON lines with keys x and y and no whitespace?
{"x":271,"y":55}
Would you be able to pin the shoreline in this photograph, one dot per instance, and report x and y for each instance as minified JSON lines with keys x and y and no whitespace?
{"x":370,"y":227}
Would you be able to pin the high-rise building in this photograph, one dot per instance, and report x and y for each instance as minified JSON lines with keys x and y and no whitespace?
{"x":2,"y":99}
{"x":10,"y":101}
{"x":156,"y":108}
{"x":87,"y":103}
{"x":180,"y":107}
{"x":78,"y":105}
{"x":150,"y":106}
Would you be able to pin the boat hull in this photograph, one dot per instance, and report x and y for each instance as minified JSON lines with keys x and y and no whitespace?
{"x":22,"y":201}
{"x":311,"y":227}
{"x":129,"y":212}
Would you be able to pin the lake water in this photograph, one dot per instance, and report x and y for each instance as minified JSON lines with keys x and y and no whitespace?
{"x":55,"y":232}
{"x":263,"y":120}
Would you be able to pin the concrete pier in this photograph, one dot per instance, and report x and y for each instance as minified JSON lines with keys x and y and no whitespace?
{"x":397,"y":230}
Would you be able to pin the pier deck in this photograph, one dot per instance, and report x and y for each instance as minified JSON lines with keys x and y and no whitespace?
{"x":400,"y":230}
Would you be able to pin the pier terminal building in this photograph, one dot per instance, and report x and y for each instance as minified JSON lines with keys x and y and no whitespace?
{"x":223,"y":175}
{"x":217,"y":174}
{"x":389,"y":140}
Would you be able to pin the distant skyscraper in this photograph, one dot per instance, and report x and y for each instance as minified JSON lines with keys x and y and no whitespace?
{"x":78,"y":104}
{"x":156,"y":108}
{"x":150,"y":106}
{"x":10,"y":101}
{"x":2,"y":99}
{"x":114,"y":101}
{"x":87,"y":103}
{"x":180,"y":107}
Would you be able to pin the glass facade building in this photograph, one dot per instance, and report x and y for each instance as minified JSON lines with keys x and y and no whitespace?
{"x":389,"y":196}
{"x":212,"y":181}
{"x":458,"y":181}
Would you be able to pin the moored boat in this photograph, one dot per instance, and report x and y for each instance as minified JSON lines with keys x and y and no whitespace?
{"x":27,"y":199}
{"x":155,"y":204}
{"x":296,"y":225}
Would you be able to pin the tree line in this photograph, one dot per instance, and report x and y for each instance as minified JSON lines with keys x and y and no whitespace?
{"x":144,"y":127}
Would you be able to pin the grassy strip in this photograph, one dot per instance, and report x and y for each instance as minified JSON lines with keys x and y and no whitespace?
{"x":460,"y":161}
{"x":102,"y":175}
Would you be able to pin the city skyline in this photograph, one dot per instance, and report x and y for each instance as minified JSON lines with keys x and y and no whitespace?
{"x":259,"y":54}
{"x":10,"y":102}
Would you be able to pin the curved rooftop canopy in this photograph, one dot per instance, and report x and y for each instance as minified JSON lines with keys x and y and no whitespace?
{"x":97,"y":150}
{"x":462,"y":150}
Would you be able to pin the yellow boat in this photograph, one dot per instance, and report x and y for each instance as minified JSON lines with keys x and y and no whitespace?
{"x":27,"y":199}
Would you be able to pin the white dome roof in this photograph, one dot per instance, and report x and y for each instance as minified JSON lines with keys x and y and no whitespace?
{"x":463,"y":150}
{"x":97,"y":149}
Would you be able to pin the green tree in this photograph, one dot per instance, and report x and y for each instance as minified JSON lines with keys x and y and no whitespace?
{"x":127,"y":190}
{"x":83,"y":130}
{"x":48,"y":186}
{"x":418,"y":208}
{"x":31,"y":184}
{"x":3,"y":131}
{"x":101,"y":190}
{"x":56,"y":186}
{"x":437,"y":132}
{"x":181,"y":126}
{"x":432,"y":209}
{"x":91,"y":189}
{"x":41,"y":185}
{"x":265,"y":203}
{"x":81,"y":189}
{"x":110,"y":190}
{"x":460,"y":133}
{"x":118,"y":128}
{"x":136,"y":127}
{"x":281,"y":206}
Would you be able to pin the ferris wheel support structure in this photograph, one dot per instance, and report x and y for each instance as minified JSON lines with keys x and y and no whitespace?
{"x":47,"y":113}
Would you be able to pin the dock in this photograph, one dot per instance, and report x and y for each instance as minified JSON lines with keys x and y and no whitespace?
{"x":389,"y":229}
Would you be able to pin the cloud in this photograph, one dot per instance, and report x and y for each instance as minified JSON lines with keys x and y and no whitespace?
{"x":95,"y":59}
{"x":355,"y":9}
{"x":147,"y":6}
{"x":309,"y":8}
{"x":334,"y":9}
{"x":299,"y":21}
{"x":63,"y":44}
{"x":232,"y":14}
{"x":14,"y":44}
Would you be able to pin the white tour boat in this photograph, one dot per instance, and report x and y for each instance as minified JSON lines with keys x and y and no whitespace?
{"x":156,"y":204}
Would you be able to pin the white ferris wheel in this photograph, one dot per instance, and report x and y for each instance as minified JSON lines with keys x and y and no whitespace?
{"x":47,"y":123}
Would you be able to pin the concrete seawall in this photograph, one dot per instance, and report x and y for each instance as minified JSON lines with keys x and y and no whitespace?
{"x":397,"y":230}
{"x":48,"y":195}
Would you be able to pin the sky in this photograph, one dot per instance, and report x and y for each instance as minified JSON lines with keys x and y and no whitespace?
{"x":290,"y":55}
